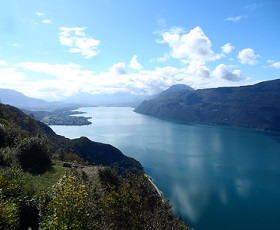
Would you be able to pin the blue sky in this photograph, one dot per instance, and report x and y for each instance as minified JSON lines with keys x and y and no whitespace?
{"x":54,"y":49}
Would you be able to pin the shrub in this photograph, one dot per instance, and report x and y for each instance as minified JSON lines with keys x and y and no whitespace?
{"x":67,"y":204}
{"x":33,"y":155}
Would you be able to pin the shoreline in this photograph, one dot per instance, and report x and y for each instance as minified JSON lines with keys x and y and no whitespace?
{"x":160,"y":193}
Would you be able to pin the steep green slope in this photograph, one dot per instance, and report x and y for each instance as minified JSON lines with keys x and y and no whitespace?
{"x":256,"y":106}
{"x":17,"y":125}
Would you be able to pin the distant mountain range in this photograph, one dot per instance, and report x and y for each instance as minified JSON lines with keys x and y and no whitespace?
{"x":114,"y":99}
{"x":60,"y":113}
{"x":254,"y":106}
{"x":17,"y":99}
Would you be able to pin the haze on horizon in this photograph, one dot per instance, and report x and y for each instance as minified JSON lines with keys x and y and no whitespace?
{"x":54,"y":49}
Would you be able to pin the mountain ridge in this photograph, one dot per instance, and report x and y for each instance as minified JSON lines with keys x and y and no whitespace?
{"x":253,"y":106}
{"x":175,"y":88}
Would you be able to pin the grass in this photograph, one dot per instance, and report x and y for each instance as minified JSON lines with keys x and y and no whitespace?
{"x":42,"y":182}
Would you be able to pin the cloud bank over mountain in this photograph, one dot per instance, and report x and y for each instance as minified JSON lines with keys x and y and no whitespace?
{"x":93,"y":47}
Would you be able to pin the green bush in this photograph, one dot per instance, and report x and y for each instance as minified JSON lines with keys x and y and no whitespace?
{"x":66,"y":208}
{"x":33,"y":155}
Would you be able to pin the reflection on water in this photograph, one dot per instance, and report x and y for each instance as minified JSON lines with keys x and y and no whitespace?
{"x":215,"y":177}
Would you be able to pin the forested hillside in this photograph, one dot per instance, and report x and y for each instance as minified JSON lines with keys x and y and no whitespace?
{"x":51,"y":182}
{"x":255,"y":106}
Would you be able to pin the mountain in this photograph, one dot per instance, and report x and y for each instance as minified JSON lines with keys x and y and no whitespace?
{"x":15,"y":98}
{"x":82,"y":99}
{"x":114,"y":99}
{"x":254,"y":106}
{"x":19,"y":100}
{"x":175,"y":88}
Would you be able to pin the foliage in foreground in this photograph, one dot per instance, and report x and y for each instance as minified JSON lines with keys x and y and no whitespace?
{"x":78,"y":201}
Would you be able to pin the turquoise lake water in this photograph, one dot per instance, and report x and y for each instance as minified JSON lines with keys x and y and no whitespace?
{"x":215,"y":177}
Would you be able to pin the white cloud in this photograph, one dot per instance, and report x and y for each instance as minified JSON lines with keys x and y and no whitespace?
{"x":164,"y":58}
{"x":274,"y":64}
{"x":198,"y":69}
{"x":222,"y":72}
{"x":248,"y":56}
{"x":118,"y":69}
{"x":134,"y":64}
{"x":193,"y":45}
{"x":78,"y":41}
{"x":67,"y":79}
{"x":3,"y":63}
{"x":234,"y":19}
{"x":10,"y":76}
{"x":47,"y":21}
{"x":68,"y":72}
{"x":227,"y":48}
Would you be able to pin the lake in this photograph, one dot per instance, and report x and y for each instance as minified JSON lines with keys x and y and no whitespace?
{"x":215,"y":177}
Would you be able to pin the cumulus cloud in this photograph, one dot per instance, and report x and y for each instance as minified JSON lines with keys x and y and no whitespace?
{"x":222,"y":72}
{"x":193,"y":45}
{"x":134,"y":64}
{"x":227,"y":48}
{"x":118,"y":69}
{"x":66,"y":79}
{"x":234,"y":19}
{"x":198,"y":69}
{"x":248,"y":56}
{"x":78,"y":41}
{"x":274,"y":64}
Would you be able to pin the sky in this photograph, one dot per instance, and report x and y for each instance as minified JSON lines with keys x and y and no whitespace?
{"x":52,"y":49}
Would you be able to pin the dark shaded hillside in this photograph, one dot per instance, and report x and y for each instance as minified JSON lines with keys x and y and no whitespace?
{"x":256,"y":106}
{"x":103,"y":154}
{"x":14,"y":124}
